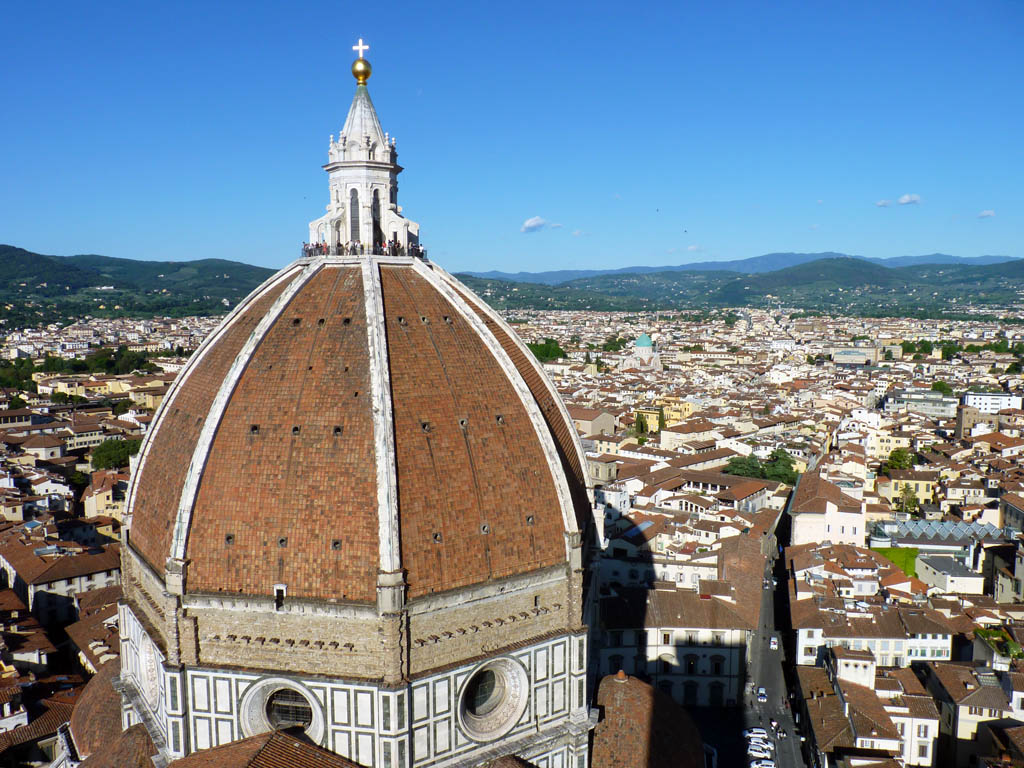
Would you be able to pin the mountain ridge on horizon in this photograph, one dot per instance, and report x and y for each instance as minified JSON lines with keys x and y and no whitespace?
{"x":38,"y":288}
{"x":768,"y":262}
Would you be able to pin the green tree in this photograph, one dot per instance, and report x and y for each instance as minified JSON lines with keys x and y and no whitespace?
{"x":908,"y":499}
{"x":745,"y":466}
{"x":888,"y":354}
{"x":640,"y":425}
{"x":60,"y":398}
{"x":79,"y":479}
{"x":780,"y":467}
{"x":614,"y":343}
{"x":547,"y":351}
{"x":943,"y":387}
{"x":661,"y":419}
{"x":112,"y":454}
{"x":1013,"y":367}
{"x":900,"y":458}
{"x":925,"y":347}
{"x":908,"y":347}
{"x":16,"y":402}
{"x":121,"y":407}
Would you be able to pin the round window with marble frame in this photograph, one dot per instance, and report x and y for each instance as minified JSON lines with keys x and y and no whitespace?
{"x":255,"y":719}
{"x":493,"y":698}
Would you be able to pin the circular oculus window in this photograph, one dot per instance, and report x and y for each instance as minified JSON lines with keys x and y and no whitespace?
{"x":281,"y":703}
{"x":493,"y":699}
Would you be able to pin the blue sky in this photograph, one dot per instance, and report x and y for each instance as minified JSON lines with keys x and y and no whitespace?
{"x":651,"y":133}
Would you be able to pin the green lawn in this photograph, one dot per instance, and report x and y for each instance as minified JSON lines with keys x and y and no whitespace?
{"x":902,"y":557}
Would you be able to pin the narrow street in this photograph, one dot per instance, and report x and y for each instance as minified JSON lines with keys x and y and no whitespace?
{"x":723,"y":729}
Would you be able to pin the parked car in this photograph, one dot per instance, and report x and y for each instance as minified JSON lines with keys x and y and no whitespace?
{"x":759,"y":753}
{"x":761,"y":744}
{"x":762,"y":695}
{"x":762,"y":763}
{"x":752,"y":733}
{"x":774,"y":643}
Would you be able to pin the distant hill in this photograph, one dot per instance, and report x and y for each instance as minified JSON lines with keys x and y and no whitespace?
{"x":199,"y":275}
{"x":46,"y":275}
{"x":768,"y":262}
{"x":38,"y":288}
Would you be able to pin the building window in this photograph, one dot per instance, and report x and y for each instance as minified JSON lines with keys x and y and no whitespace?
{"x":287,"y":708}
{"x":922,"y":750}
{"x":974,"y":710}
{"x":666,"y":638}
{"x":353,"y":205}
{"x":493,"y":699}
{"x":922,"y":732}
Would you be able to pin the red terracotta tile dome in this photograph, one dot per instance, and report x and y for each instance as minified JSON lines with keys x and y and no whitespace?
{"x":357,"y":416}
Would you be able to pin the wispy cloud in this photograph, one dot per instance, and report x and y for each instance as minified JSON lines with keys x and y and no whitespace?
{"x":577,"y":232}
{"x":533,"y":224}
{"x":693,"y":247}
{"x":909,"y":199}
{"x":814,"y":226}
{"x":884,"y":203}
{"x":986,"y":214}
{"x":556,"y":226}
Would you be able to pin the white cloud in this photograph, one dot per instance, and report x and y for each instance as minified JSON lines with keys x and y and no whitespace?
{"x":693,"y":247}
{"x":532,"y":224}
{"x":909,"y":199}
{"x":884,"y":203}
{"x":986,"y":214}
{"x":556,"y":226}
{"x":577,"y":232}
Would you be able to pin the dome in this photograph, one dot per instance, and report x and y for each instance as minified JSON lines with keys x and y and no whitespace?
{"x":643,"y":341}
{"x":357,"y":416}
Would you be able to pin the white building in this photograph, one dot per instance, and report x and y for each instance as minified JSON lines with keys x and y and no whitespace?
{"x":992,"y":402}
{"x":949,"y":576}
{"x":822,"y":512}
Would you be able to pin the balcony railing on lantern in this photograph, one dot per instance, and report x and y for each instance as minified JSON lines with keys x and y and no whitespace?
{"x":359,"y":249}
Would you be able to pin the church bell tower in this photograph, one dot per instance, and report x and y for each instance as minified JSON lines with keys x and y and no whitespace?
{"x":362,"y":165}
